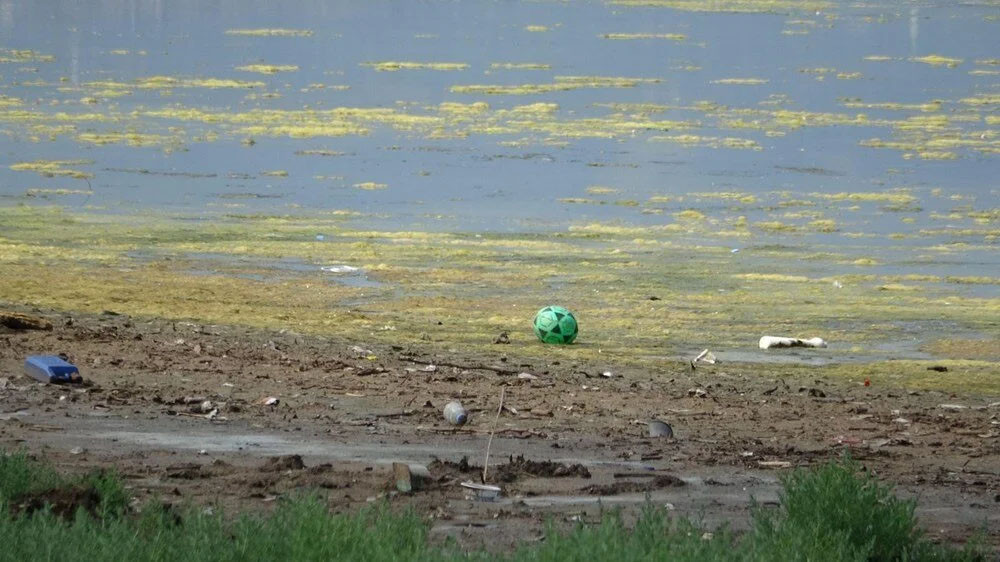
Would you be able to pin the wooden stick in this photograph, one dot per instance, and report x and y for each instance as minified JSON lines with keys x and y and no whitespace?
{"x":486,"y":462}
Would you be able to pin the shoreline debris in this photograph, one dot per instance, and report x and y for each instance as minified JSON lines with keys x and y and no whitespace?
{"x":455,"y":413}
{"x":51,"y":369}
{"x":659,"y":428}
{"x":17,"y":321}
{"x":767,"y":342}
{"x":705,"y":356}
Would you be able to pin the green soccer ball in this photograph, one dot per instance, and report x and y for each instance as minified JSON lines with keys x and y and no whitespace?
{"x":555,"y":324}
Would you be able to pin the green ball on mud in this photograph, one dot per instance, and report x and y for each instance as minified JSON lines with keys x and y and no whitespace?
{"x":555,"y":324}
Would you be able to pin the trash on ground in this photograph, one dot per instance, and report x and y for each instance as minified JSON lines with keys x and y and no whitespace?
{"x":526,"y":376}
{"x":607,"y":374}
{"x":767,"y":342}
{"x":659,"y":428}
{"x":481,"y":492}
{"x":504,"y":337}
{"x":455,"y":413}
{"x":409,"y":477}
{"x":705,"y":356}
{"x":283,"y":463}
{"x":17,"y":321}
{"x":269,"y":401}
{"x":360,"y":351}
{"x":339,"y":268}
{"x":77,"y":451}
{"x":774,"y":464}
{"x":698,"y":393}
{"x":51,"y":369}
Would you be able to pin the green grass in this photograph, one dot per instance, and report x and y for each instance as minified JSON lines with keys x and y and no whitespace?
{"x":834,"y":512}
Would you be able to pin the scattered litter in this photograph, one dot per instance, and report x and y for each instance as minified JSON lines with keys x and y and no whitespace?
{"x":705,"y":356}
{"x":504,"y":337}
{"x":526,"y":376}
{"x":283,"y":463}
{"x":361,"y":352}
{"x":734,"y":251}
{"x":814,"y":392}
{"x":320,"y":237}
{"x":17,"y":321}
{"x":203,"y":452}
{"x":768,"y":342}
{"x":202,"y":407}
{"x":607,"y":374}
{"x":774,"y":464}
{"x":901,"y":420}
{"x":706,"y":536}
{"x":838,"y":285}
{"x":481,"y":492}
{"x":659,"y":428}
{"x":77,"y":451}
{"x":409,"y":477}
{"x":51,"y":369}
{"x":339,"y":268}
{"x":429,"y":368}
{"x":698,"y":393}
{"x":455,"y":413}
{"x":269,"y":401}
{"x":952,"y":407}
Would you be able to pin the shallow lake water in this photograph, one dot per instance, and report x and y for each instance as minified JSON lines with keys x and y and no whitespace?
{"x":868,"y":131}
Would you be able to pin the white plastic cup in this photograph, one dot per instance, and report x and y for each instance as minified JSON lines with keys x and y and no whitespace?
{"x":455,"y":413}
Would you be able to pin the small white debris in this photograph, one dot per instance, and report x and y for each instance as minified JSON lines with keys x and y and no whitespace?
{"x":768,"y":342}
{"x":526,"y":376}
{"x":339,"y":268}
{"x":607,"y":374}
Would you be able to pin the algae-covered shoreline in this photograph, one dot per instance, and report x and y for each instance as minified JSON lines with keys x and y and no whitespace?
{"x":643,"y":302}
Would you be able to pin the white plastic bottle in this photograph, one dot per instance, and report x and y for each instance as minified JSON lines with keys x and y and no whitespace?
{"x":455,"y":413}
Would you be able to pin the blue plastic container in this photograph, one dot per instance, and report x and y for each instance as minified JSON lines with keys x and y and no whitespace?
{"x":50,"y":368}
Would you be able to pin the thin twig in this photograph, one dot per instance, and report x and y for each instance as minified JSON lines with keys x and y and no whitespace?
{"x":486,"y":462}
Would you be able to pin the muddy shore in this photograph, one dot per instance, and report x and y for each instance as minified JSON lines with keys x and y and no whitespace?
{"x":216,"y":414}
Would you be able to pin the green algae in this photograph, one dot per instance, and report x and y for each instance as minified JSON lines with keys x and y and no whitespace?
{"x":393,"y":66}
{"x":741,"y":81}
{"x":938,"y":60}
{"x":21,"y":56}
{"x":54,"y":168}
{"x":708,"y":141}
{"x":268,"y":68}
{"x":737,"y":6}
{"x":520,"y":66}
{"x":475,"y":286}
{"x":633,"y":36}
{"x":270,"y":32}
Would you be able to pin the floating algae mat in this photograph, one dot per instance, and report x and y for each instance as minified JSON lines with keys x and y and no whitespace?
{"x":819,"y":168}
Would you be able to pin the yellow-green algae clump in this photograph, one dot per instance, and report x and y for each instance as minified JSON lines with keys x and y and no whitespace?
{"x":271,"y":32}
{"x":392,"y":66}
{"x":268,"y":68}
{"x":54,"y":168}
